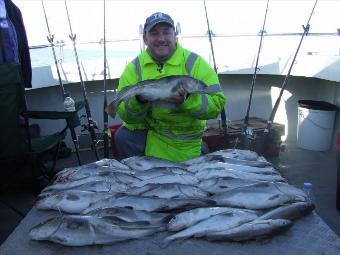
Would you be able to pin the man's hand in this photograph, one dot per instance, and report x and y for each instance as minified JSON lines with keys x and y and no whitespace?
{"x":179,"y":98}
{"x":141,"y":99}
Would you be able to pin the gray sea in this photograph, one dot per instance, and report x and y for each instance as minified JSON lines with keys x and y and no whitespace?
{"x":44,"y":56}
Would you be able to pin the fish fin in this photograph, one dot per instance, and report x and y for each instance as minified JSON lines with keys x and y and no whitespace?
{"x":167,"y":218}
{"x":119,"y":194}
{"x":261,"y":184}
{"x":210,"y":202}
{"x":163,"y":208}
{"x":273,"y":197}
{"x":223,"y":186}
{"x":165,"y":243}
{"x":129,"y":207}
{"x":211,"y":238}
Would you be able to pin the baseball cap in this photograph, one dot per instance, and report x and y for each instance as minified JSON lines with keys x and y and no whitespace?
{"x":156,"y":18}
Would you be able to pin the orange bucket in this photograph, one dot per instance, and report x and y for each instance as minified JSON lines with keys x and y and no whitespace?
{"x":113,"y":130}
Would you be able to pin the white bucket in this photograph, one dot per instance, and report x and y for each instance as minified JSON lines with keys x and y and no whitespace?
{"x":315,"y":125}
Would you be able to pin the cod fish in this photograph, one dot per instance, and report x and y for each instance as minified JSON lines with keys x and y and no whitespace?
{"x":189,"y":218}
{"x":222,"y":184}
{"x":238,"y":154}
{"x":159,"y":89}
{"x":160,"y":171}
{"x":87,"y":172}
{"x":144,"y":163}
{"x":119,"y":179}
{"x":76,"y":230}
{"x":205,"y":174}
{"x":92,"y":186}
{"x":211,"y":157}
{"x":129,"y":215}
{"x":220,"y":155}
{"x":71,"y":201}
{"x":112,"y":163}
{"x":175,"y":190}
{"x":289,"y":212}
{"x":150,"y":204}
{"x":263,"y":195}
{"x":92,"y":167}
{"x":228,"y":166}
{"x":170,"y":178}
{"x":219,"y":222}
{"x":251,"y":230}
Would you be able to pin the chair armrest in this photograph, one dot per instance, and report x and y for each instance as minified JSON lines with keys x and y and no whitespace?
{"x":53,"y":115}
{"x":72,"y":118}
{"x":50,"y":115}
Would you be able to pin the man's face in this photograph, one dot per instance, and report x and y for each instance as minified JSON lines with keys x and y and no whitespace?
{"x":161,"y":41}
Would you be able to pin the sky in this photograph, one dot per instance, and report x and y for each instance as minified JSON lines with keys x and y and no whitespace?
{"x":123,"y":18}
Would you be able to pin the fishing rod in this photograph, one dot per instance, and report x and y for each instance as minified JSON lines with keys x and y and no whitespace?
{"x":50,"y":39}
{"x":106,"y":118}
{"x":91,"y":123}
{"x":223,"y":115}
{"x":248,"y":132}
{"x":284,"y":84}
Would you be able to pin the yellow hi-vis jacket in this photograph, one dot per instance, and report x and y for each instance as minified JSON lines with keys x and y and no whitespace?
{"x":174,"y":130}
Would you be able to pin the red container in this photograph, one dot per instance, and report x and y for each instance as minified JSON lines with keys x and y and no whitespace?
{"x":113,"y":130}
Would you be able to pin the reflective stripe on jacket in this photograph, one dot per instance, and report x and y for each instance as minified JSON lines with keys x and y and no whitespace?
{"x":174,"y":130}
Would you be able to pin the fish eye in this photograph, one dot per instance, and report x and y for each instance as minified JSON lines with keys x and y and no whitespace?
{"x":104,"y":173}
{"x":72,"y":197}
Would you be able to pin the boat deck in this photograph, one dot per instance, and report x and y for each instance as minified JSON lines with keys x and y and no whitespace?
{"x":315,"y":234}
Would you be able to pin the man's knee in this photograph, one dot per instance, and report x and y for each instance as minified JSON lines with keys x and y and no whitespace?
{"x":119,"y":135}
{"x":204,"y":148}
{"x":130,"y":143}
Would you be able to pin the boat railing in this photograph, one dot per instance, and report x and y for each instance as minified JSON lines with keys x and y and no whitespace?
{"x":234,"y":52}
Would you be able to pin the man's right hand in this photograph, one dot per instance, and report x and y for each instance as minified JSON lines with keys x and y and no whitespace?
{"x":141,"y":99}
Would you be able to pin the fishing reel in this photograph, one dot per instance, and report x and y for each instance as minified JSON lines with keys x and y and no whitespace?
{"x":247,"y":137}
{"x":249,"y":133}
{"x":87,"y":126}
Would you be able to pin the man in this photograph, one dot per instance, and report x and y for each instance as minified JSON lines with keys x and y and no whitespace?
{"x":171,"y":129}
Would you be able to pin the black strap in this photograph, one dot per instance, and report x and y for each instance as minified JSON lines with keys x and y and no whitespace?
{"x":2,"y":44}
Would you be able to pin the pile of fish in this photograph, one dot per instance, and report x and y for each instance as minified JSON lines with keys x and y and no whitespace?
{"x":232,"y":195}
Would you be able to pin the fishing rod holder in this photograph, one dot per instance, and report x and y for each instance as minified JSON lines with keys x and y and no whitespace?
{"x":73,"y":38}
{"x":50,"y":39}
{"x":306,"y":28}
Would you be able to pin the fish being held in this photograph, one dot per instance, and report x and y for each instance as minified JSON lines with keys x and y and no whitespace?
{"x":160,"y":89}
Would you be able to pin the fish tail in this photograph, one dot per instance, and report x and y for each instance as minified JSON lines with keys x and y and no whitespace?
{"x":111,"y":109}
{"x":165,"y":243}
